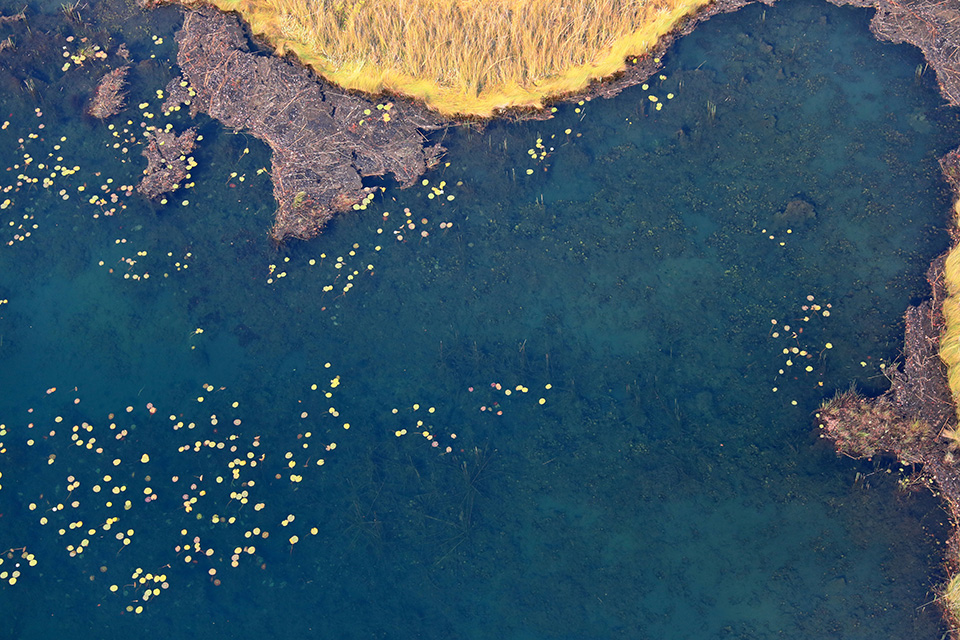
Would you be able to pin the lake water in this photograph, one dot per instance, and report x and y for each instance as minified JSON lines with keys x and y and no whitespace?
{"x":573,"y":401}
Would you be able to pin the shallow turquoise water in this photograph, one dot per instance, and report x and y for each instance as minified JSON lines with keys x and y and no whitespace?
{"x":662,"y":490}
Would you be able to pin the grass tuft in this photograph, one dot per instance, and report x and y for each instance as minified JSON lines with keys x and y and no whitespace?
{"x":950,"y":600}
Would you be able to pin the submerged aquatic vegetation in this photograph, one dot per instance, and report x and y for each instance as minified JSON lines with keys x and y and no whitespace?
{"x":465,"y":58}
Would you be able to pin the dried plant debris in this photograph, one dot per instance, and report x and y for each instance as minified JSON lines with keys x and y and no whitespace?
{"x":168,"y":162}
{"x":14,"y":17}
{"x":109,"y":98}
{"x":324,"y":141}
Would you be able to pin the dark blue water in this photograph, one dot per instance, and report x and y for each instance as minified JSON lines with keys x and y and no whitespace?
{"x":656,"y":290}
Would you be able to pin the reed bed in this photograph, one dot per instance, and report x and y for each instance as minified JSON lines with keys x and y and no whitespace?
{"x":464,"y":57}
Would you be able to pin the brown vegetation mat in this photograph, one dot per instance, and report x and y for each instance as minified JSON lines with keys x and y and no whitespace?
{"x":950,"y":165}
{"x":168,"y":162}
{"x":324,"y":141}
{"x":109,"y":98}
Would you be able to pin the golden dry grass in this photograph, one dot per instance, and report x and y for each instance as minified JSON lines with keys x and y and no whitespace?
{"x":950,"y":601}
{"x":464,"y":57}
{"x":950,"y":338}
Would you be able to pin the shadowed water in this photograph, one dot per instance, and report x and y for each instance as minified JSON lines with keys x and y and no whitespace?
{"x":666,"y":294}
